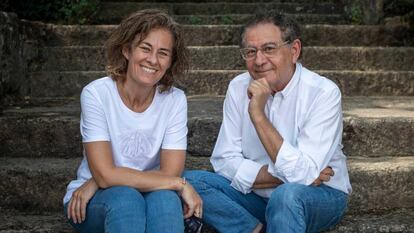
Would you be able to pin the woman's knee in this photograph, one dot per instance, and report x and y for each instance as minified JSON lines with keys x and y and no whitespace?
{"x":163,"y":202}
{"x":122,"y":197}
{"x":163,"y":197}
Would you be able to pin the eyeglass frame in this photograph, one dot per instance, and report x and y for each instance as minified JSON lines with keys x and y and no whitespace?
{"x":277,"y":47}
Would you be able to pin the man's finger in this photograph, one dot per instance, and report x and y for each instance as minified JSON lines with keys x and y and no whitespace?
{"x":263,"y":81}
{"x":324,"y":178}
{"x":317,"y":182}
{"x":249,"y":94}
{"x":328,"y":173}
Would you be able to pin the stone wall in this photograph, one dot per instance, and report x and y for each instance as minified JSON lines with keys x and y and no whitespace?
{"x":20,"y":42}
{"x":364,"y":11}
{"x":12,"y":66}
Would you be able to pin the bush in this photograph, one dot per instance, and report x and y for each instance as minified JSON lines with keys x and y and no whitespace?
{"x":80,"y":12}
{"x":60,"y":11}
{"x":398,"y":8}
{"x":354,"y":13}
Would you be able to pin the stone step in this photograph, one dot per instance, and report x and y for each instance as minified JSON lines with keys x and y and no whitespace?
{"x":351,"y":83}
{"x":373,"y":126}
{"x":86,"y":58}
{"x":218,"y":1}
{"x":111,"y":12}
{"x":227,"y":19}
{"x":215,"y":82}
{"x":199,"y":35}
{"x":39,"y":184}
{"x":12,"y":221}
{"x":396,"y":221}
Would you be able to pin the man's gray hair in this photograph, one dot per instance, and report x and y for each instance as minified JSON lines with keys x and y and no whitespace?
{"x":289,"y":28}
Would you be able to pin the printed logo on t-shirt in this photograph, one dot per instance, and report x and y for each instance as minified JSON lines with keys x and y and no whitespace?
{"x":136,"y":146}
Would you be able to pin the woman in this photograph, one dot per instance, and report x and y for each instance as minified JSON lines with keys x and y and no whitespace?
{"x":134,"y":133}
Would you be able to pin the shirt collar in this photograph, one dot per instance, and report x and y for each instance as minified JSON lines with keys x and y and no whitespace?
{"x":292,"y":83}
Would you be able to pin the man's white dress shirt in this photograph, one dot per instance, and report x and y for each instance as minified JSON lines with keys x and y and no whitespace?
{"x":307,"y":113}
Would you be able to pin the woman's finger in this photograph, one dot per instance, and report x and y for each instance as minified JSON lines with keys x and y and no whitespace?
{"x":197,"y":212}
{"x":185,"y":209}
{"x":73,"y":210}
{"x":83,"y":210}
{"x":77,"y":210}
{"x":200,"y":206}
{"x":189,"y":213}
{"x":200,"y":212}
{"x":68,"y":210}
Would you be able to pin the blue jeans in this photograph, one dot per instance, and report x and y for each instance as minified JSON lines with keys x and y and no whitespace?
{"x":124,"y":209}
{"x":291,"y":207}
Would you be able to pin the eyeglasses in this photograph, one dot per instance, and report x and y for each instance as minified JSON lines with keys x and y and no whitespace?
{"x":268,"y":50}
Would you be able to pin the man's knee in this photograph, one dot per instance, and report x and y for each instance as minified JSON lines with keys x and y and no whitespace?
{"x":289,"y":194}
{"x":195,"y":175}
{"x":199,"y":179}
{"x":285,"y":209}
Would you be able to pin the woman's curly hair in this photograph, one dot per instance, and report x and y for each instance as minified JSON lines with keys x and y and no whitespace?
{"x":140,"y":24}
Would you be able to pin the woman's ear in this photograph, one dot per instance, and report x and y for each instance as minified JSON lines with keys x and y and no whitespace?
{"x":125,"y":52}
{"x":296,"y":49}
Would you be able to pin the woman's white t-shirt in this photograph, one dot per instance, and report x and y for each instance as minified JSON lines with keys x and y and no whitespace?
{"x":136,"y":138}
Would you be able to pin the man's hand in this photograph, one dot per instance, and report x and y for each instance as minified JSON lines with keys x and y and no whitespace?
{"x":265,"y":180}
{"x":258,"y":93}
{"x":325,"y":176}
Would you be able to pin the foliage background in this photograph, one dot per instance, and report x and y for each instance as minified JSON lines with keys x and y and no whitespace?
{"x":57,"y":11}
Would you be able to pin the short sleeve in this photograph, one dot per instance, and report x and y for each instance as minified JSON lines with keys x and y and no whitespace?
{"x":175,"y":137}
{"x":93,"y":123}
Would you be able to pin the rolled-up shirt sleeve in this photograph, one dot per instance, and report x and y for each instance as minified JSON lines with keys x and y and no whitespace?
{"x":227,"y":158}
{"x":246,"y":175}
{"x":316,"y":143}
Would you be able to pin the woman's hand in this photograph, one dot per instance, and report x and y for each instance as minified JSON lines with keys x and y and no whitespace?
{"x":193,"y":205}
{"x":80,"y":198}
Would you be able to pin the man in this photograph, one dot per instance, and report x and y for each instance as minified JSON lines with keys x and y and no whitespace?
{"x":282,"y":125}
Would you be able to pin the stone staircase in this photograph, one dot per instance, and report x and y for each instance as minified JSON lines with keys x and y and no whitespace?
{"x":373,"y":66}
